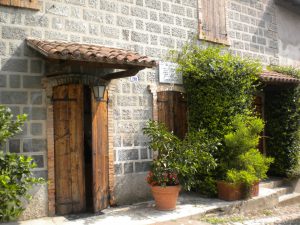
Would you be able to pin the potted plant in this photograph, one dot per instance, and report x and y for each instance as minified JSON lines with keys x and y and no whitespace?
{"x":163,"y":176}
{"x":243,"y":164}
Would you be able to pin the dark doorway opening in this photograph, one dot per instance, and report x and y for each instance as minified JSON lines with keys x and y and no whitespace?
{"x":88,"y":149}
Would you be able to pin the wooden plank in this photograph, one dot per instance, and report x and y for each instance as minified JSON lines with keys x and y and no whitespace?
{"x":180,"y":114}
{"x":29,"y":4}
{"x":69,"y":164}
{"x":100,"y":153}
{"x":76,"y":147}
{"x":62,"y":154}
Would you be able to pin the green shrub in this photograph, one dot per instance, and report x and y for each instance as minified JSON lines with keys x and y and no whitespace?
{"x":244,"y":163}
{"x":189,"y":159}
{"x":15,"y":171}
{"x":282,"y":113}
{"x":15,"y":180}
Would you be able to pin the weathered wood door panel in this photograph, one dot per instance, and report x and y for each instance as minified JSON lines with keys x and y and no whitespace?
{"x":100,"y":153}
{"x":172,"y":111}
{"x":69,"y":149}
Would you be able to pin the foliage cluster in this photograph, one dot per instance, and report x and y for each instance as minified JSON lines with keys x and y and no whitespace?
{"x":282,"y":112}
{"x":15,"y":171}
{"x":182,"y":159}
{"x":219,"y":86}
{"x":244,"y":163}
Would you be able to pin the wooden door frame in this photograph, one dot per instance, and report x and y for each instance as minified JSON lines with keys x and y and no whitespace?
{"x":84,"y":79}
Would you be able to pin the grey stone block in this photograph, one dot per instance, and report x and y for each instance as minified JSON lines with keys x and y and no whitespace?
{"x":154,"y":4}
{"x":126,"y":114}
{"x":139,"y":37}
{"x":4,"y":16}
{"x":32,"y":82}
{"x":34,"y":145}
{"x":124,"y":21}
{"x":14,"y":81}
{"x":125,"y":155}
{"x":177,"y":9}
{"x":139,"y":24}
{"x":94,"y":29}
{"x":58,"y":9}
{"x":142,"y":166}
{"x":36,"y":97}
{"x":117,"y":141}
{"x":128,"y":127}
{"x":127,"y":141}
{"x":94,"y":16}
{"x":190,"y":23}
{"x":125,"y":35}
{"x":15,"y":49}
{"x":141,"y":114}
{"x":127,"y":100}
{"x":58,"y":23}
{"x":153,"y":27}
{"x":128,"y":168}
{"x":125,"y":9}
{"x":37,"y":20}
{"x":167,"y":42}
{"x":191,"y":3}
{"x":36,"y":129}
{"x":75,"y":26}
{"x":13,"y":97}
{"x":76,"y":2}
{"x":138,"y":88}
{"x":14,"y":65}
{"x":153,"y":39}
{"x":14,"y":146}
{"x":3,"y":80}
{"x":153,"y":16}
{"x":139,"y":12}
{"x":39,"y":160}
{"x":36,"y":113}
{"x":108,"y":6}
{"x":2,"y":48}
{"x":118,"y":168}
{"x":36,"y":66}
{"x":166,"y":6}
{"x":166,"y":18}
{"x":15,"y":33}
{"x":15,"y":110}
{"x":139,"y":2}
{"x":144,"y":153}
{"x":110,"y":32}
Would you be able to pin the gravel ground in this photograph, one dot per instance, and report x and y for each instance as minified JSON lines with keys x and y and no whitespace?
{"x":288,"y":215}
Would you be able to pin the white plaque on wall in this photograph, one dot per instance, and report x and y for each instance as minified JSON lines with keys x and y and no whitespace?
{"x":167,"y":73}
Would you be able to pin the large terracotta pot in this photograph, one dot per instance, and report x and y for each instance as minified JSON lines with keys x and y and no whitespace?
{"x":233,"y":192}
{"x":165,"y":197}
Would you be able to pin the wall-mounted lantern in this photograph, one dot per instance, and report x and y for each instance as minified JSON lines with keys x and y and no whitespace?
{"x":99,"y":91}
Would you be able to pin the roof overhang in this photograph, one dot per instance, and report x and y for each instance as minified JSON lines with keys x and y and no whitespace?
{"x":271,"y":77}
{"x":103,"y":56}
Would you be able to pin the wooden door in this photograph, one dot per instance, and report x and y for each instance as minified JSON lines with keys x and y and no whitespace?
{"x":100,"y":153}
{"x":68,"y":144}
{"x":172,"y":111}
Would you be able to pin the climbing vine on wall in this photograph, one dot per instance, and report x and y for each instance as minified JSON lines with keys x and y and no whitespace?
{"x":282,"y":112}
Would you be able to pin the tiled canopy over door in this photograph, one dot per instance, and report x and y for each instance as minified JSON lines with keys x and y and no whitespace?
{"x":172,"y":111}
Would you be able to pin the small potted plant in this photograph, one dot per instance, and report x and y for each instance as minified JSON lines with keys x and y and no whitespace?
{"x":163,"y":176}
{"x":245,"y":166}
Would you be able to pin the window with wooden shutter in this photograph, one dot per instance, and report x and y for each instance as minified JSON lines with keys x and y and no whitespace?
{"x":29,"y":4}
{"x":212,"y":21}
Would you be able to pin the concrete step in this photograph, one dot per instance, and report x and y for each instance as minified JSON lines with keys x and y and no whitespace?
{"x":283,"y":190}
{"x":289,"y":199}
{"x":272,"y":183}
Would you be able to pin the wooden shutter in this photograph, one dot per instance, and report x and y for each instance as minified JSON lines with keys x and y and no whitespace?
{"x":68,"y":143}
{"x":212,"y":21}
{"x":29,"y":4}
{"x":172,"y":111}
{"x":259,"y":109}
{"x":100,"y":154}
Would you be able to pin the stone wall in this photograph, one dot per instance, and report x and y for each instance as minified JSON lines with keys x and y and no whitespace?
{"x":150,"y":27}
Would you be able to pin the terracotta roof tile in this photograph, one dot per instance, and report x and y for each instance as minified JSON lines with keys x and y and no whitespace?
{"x":275,"y":77}
{"x":90,"y":53}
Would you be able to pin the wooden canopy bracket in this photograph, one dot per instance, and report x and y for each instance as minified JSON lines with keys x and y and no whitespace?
{"x":121,"y":74}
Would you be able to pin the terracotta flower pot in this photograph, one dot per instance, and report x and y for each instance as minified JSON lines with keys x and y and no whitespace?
{"x":228,"y":191}
{"x":233,"y":192}
{"x":165,"y":197}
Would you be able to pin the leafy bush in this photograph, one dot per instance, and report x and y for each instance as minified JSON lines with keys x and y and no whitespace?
{"x":15,"y":171}
{"x":185,"y":160}
{"x":244,"y":163}
{"x":15,"y":180}
{"x":282,"y":113}
{"x":219,"y":86}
